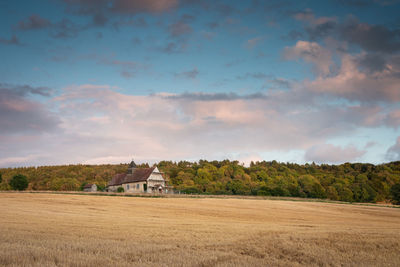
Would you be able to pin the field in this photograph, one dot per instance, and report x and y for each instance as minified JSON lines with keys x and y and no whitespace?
{"x":86,"y":230}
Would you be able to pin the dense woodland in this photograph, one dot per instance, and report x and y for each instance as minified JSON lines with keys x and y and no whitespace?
{"x":353,"y":182}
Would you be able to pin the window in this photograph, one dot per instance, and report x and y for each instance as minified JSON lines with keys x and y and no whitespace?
{"x":137,"y":186}
{"x":127,"y":187}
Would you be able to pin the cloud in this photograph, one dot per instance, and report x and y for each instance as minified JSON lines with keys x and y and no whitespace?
{"x":128,"y":7}
{"x":254,"y":75}
{"x":212,"y":96}
{"x":136,"y":6}
{"x":12,"y":41}
{"x":375,"y":38}
{"x":126,"y":68}
{"x":327,"y":153}
{"x":179,"y":28}
{"x":65,"y":29}
{"x":393,"y":119}
{"x":371,"y":38}
{"x":34,"y":22}
{"x":173,"y":48}
{"x":102,"y":11}
{"x":105,"y":124}
{"x":353,"y":84}
{"x":234,"y":63}
{"x":311,"y":52}
{"x":251,"y":43}
{"x":23,"y":90}
{"x":366,"y":3}
{"x":19,"y":114}
{"x":393,"y":153}
{"x":308,"y":16}
{"x":192,"y":74}
{"x":372,"y":62}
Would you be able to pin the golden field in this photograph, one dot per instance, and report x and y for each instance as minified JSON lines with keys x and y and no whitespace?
{"x":88,"y":230}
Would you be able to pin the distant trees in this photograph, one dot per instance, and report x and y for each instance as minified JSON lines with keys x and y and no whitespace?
{"x":351,"y":182}
{"x":19,"y":182}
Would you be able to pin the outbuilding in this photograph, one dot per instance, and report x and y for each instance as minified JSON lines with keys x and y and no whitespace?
{"x":90,"y":188}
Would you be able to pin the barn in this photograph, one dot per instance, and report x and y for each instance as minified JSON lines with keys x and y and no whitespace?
{"x":90,"y":188}
{"x":139,"y":180}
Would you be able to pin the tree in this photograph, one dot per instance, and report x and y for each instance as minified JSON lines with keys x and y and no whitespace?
{"x":395,"y":194}
{"x":120,"y":189}
{"x":19,"y":182}
{"x":1,"y":178}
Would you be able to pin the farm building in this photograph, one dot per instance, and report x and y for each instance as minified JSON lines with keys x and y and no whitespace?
{"x":90,"y":188}
{"x":139,"y":180}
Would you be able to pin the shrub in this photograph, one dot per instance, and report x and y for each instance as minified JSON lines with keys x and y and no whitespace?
{"x":191,"y":190}
{"x":19,"y":182}
{"x":120,"y":189}
{"x":1,"y":178}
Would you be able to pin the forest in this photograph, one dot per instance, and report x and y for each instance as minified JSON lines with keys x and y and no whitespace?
{"x":351,"y":182}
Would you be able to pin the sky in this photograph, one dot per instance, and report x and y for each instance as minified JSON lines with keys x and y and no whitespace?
{"x":108,"y":81}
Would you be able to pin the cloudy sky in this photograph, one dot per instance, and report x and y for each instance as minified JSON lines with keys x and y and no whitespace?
{"x":105,"y":81}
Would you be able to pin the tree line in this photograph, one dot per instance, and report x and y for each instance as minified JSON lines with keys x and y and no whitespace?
{"x":351,"y":182}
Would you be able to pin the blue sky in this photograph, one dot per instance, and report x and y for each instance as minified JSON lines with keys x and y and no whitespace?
{"x":85,"y":81}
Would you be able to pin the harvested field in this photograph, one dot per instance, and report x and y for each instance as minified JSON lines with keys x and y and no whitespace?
{"x":86,"y":230}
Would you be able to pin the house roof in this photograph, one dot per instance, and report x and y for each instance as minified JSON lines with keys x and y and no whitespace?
{"x":117,"y":179}
{"x":88,"y":185}
{"x":138,"y":175}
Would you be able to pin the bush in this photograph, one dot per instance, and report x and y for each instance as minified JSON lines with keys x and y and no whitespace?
{"x":82,"y":186}
{"x":191,"y":190}
{"x":120,"y":190}
{"x":19,"y":182}
{"x":1,"y":178}
{"x":395,"y":194}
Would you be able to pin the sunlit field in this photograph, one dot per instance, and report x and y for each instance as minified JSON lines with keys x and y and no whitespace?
{"x":87,"y":230}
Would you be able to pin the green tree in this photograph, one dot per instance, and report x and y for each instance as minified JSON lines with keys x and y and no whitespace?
{"x":19,"y":182}
{"x":332,"y":193}
{"x":395,"y":194}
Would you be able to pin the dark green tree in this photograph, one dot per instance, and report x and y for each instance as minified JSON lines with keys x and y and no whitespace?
{"x":395,"y":194}
{"x":19,"y":182}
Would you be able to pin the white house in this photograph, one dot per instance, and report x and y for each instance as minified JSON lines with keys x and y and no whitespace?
{"x":139,"y":180}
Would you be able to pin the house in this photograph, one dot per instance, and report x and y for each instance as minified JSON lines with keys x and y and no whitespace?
{"x":90,"y":188}
{"x":139,"y":180}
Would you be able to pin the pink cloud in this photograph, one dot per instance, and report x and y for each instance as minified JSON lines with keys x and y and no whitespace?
{"x":313,"y":53}
{"x":134,"y":6}
{"x":393,"y":118}
{"x":251,"y":43}
{"x":308,"y":16}
{"x":104,"y":124}
{"x":353,"y":84}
